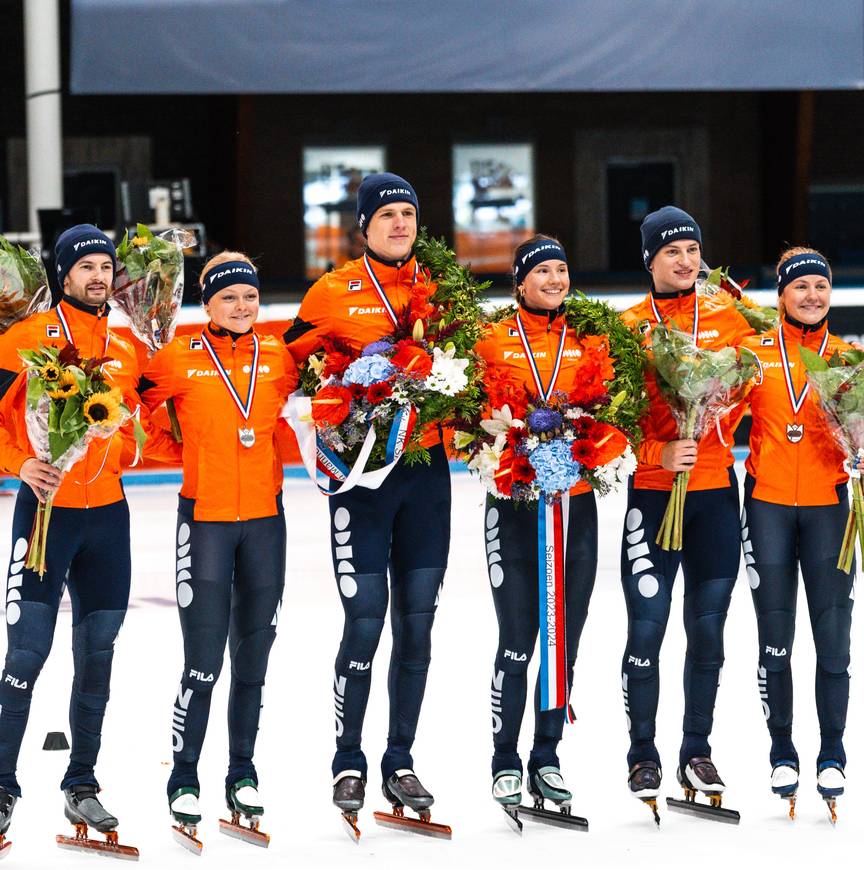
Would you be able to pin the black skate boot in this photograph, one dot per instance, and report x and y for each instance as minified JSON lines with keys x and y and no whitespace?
{"x":349,"y":793}
{"x":242,"y":800}
{"x":700,"y":774}
{"x":7,"y":805}
{"x":644,"y":781}
{"x":84,"y":809}
{"x":403,"y":789}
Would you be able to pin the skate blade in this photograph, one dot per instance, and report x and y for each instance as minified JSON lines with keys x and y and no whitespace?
{"x":187,"y":840}
{"x":651,"y":803}
{"x":412,"y":825}
{"x":247,"y":835}
{"x":703,"y":811}
{"x":831,"y":803}
{"x":513,"y":819}
{"x":110,"y":850}
{"x":5,"y":846}
{"x":555,"y":818}
{"x":349,"y":823}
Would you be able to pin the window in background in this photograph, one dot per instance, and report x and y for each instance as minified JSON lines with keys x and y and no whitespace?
{"x":331,"y":177}
{"x":493,"y":203}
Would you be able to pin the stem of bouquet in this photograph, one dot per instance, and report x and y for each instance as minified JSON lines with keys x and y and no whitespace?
{"x":671,"y":532}
{"x":39,"y":537}
{"x":858,"y":511}
{"x":175,"y":423}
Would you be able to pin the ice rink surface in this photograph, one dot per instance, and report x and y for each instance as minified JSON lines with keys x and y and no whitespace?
{"x":453,"y":748}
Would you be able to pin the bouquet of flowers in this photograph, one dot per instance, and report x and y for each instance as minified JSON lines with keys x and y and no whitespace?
{"x":523,"y":446}
{"x":23,"y":284}
{"x":839,"y":386}
{"x":148,"y":288}
{"x":69,"y":403}
{"x":378,"y":401}
{"x":700,"y":386}
{"x":719,"y":283}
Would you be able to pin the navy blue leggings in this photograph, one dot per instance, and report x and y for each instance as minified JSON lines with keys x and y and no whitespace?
{"x":511,"y":552}
{"x":230,"y":577}
{"x":403,"y":525}
{"x":777,"y":539}
{"x":710,"y":558}
{"x":92,"y":545}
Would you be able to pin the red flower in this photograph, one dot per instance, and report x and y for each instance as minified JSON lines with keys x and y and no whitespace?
{"x":378,"y":392}
{"x":412,"y":359}
{"x":502,"y":390}
{"x":331,"y":405}
{"x":512,"y":468}
{"x":358,"y":391}
{"x":609,"y":442}
{"x":584,"y":453}
{"x":335,"y":363}
{"x":515,"y":435}
{"x":523,"y":470}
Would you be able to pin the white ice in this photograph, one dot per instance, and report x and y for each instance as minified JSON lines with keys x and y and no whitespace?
{"x":453,"y":748}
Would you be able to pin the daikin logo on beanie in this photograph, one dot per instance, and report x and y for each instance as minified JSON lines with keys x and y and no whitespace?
{"x":799,"y":265}
{"x":76,"y":243}
{"x":541,"y":251}
{"x":381,"y":189}
{"x":664,"y":226}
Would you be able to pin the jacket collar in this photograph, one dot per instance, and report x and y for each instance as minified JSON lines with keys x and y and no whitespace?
{"x":100,"y":311}
{"x":542,"y":316}
{"x":804,"y":332}
{"x":678,"y":294}
{"x":225,"y":335}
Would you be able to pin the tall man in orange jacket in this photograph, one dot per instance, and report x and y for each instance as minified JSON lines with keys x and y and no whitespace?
{"x":403,"y":525}
{"x":672,"y":253}
{"x":88,"y":540}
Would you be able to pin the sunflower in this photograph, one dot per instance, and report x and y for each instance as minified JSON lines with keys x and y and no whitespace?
{"x":102,"y":409}
{"x":67,"y":386}
{"x":50,"y":372}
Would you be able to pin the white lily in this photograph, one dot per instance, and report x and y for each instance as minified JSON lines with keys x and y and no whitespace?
{"x":502,"y":420}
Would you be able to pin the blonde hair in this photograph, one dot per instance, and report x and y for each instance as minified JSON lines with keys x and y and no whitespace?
{"x":224,"y":257}
{"x":787,"y":255}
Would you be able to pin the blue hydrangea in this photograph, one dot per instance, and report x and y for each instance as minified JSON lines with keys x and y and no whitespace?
{"x":376,"y":347}
{"x":368,"y":370}
{"x":544,"y":420}
{"x":555,"y":467}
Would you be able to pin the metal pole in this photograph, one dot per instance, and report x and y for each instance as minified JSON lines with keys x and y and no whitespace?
{"x":42,"y":89}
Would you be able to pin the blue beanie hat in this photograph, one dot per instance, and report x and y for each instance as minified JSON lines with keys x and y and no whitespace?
{"x":78,"y":242}
{"x":664,"y":226}
{"x":379,"y":190}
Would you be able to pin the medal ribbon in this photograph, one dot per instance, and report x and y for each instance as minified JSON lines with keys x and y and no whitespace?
{"x":659,"y":317}
{"x":246,"y":408}
{"x":67,"y":331}
{"x":526,"y":346}
{"x":796,"y":400}
{"x":552,"y":522}
{"x":551,"y":552}
{"x":391,"y":313}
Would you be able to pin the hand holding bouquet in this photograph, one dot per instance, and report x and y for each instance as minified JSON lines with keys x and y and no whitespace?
{"x":68,"y":404}
{"x":23,"y":285}
{"x":700,"y":386}
{"x":839,"y":386}
{"x":148,"y":288}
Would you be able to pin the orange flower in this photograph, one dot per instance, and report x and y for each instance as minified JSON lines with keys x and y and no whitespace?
{"x":331,"y":405}
{"x":412,"y":359}
{"x":609,"y":442}
{"x":335,"y":363}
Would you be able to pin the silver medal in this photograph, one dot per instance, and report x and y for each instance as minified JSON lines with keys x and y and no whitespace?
{"x":794,"y":432}
{"x":247,"y":436}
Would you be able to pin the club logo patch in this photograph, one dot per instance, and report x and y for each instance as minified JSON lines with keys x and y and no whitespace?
{"x":794,"y":432}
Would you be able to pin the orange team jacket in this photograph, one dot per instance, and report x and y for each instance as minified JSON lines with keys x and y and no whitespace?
{"x":94,"y":480}
{"x":502,"y":349}
{"x":805,"y":471}
{"x":720,"y":325}
{"x":344,"y":304}
{"x":226,"y":480}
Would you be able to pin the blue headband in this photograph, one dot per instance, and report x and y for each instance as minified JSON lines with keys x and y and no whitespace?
{"x":801,"y":264}
{"x":538,"y":253}
{"x":227,"y":275}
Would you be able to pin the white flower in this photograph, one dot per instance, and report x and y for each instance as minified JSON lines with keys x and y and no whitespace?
{"x":501,"y":421}
{"x":616,"y":472}
{"x":448,"y":373}
{"x":574,"y":413}
{"x":531,"y":442}
{"x":486,"y":462}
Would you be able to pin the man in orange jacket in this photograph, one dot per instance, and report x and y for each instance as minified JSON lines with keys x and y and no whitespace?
{"x":88,"y":539}
{"x":672,"y":252}
{"x":403,"y":525}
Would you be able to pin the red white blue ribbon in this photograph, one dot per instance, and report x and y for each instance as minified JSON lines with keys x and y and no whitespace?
{"x":659,"y":317}
{"x":391,"y":313}
{"x":245,"y":408}
{"x":544,"y":392}
{"x":67,"y":330}
{"x":795,"y":399}
{"x":552,"y":521}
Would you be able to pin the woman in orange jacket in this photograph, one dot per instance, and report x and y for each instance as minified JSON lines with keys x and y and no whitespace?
{"x":541,"y":283}
{"x":795,"y":511}
{"x":228,"y":384}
